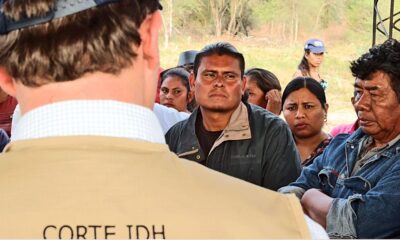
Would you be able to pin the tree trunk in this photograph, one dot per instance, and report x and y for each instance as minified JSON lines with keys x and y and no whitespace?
{"x":218,"y":10}
{"x":321,"y":9}
{"x":167,"y":22}
{"x":171,"y":8}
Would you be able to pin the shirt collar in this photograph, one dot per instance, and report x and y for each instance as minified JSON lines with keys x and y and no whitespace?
{"x":90,"y":118}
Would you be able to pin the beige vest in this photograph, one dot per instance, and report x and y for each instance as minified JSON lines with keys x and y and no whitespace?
{"x":113,"y":188}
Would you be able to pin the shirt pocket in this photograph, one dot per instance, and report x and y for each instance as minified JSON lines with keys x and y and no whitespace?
{"x":327,"y":179}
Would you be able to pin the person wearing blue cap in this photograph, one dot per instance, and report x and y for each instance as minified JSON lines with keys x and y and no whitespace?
{"x":88,"y":158}
{"x":313,"y":57}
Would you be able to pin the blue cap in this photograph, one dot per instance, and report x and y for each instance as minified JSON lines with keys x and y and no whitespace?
{"x":314,"y":45}
{"x":61,"y":9}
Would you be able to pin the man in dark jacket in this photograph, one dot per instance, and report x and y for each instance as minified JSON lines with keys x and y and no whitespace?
{"x":230,"y":136}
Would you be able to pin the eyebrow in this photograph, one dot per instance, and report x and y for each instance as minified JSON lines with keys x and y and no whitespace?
{"x":215,"y":71}
{"x":372,"y":88}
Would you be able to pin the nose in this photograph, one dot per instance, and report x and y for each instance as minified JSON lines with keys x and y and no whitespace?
{"x":363,"y":103}
{"x":219,"y":81}
{"x":169,"y":95}
{"x":300,"y":113}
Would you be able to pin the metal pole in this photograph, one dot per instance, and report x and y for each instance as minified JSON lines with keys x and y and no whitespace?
{"x":374,"y":24}
{"x":391,"y":19}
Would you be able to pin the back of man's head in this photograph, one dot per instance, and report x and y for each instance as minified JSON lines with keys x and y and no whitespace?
{"x":384,"y":57}
{"x":39,"y":47}
{"x":219,"y":48}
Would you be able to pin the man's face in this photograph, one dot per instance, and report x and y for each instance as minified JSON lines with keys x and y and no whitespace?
{"x":219,"y":85}
{"x":377,"y":107}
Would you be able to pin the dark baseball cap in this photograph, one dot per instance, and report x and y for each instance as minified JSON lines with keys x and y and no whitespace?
{"x":62,"y":8}
{"x":315,"y":46}
{"x":187,"y":57}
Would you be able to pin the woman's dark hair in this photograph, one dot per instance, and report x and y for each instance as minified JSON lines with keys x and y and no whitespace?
{"x":179,"y":72}
{"x":265,"y":79}
{"x":305,"y":82}
{"x":384,"y":57}
{"x":303,"y":65}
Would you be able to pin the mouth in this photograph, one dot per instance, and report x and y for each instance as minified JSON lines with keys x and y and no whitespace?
{"x":169,"y":105}
{"x":217,"y":95}
{"x":301,"y":126}
{"x":364,"y":122}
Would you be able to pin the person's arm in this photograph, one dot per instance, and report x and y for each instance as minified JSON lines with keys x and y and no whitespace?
{"x":309,"y":177}
{"x":316,"y":205}
{"x":281,"y":163}
{"x":372,"y":214}
{"x":274,"y":101}
{"x":168,"y":117}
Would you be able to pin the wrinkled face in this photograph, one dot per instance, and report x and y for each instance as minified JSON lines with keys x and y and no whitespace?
{"x":218,"y":85}
{"x":315,"y":59}
{"x":303,"y":113}
{"x":256,"y":95}
{"x":377,"y":107}
{"x":173,"y":93}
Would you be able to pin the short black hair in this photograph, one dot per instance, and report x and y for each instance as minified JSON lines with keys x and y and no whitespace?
{"x":384,"y":57}
{"x":219,"y":48}
{"x":305,"y":82}
{"x":179,"y":72}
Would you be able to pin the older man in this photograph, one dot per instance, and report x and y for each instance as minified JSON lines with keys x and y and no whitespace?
{"x":87,"y":160}
{"x":353,"y":188}
{"x":228,"y":135}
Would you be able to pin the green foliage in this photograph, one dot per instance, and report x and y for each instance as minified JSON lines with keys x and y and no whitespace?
{"x":277,"y":30}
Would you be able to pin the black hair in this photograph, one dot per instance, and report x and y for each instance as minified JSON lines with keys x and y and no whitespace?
{"x":265,"y":79}
{"x":305,"y":82}
{"x":179,"y":72}
{"x":303,"y":66}
{"x":384,"y":57}
{"x":219,"y":48}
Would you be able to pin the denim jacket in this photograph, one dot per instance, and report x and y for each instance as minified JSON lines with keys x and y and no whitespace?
{"x":365,"y":205}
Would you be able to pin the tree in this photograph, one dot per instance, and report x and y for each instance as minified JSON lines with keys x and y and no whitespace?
{"x":218,"y":10}
{"x":168,"y":23}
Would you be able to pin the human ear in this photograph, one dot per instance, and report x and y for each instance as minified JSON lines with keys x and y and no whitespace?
{"x":149,"y":36}
{"x":7,"y":84}
{"x":244,"y":82}
{"x":192,"y":81}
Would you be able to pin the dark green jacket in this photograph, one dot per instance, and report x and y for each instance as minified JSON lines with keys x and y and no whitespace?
{"x":256,"y":146}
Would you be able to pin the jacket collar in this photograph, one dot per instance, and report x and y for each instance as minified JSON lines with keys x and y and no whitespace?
{"x":238,"y":127}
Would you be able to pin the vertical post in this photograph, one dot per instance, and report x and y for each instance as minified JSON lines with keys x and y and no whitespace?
{"x":391,"y":19}
{"x":374,"y":23}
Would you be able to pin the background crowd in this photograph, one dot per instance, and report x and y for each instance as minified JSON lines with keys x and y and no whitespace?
{"x":105,"y":132}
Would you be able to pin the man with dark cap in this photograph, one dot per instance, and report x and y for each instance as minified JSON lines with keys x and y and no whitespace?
{"x":186,"y":59}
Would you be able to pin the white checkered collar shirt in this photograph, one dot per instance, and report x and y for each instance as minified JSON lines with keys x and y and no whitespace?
{"x":89,"y":118}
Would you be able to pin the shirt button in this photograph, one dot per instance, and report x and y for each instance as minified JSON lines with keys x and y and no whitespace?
{"x":198,"y":157}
